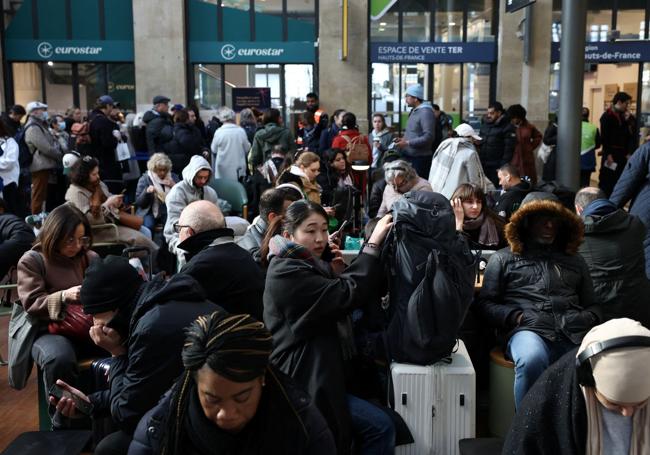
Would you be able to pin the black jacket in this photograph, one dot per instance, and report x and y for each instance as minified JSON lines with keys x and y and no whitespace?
{"x":15,"y":238}
{"x":11,"y":125}
{"x":552,"y":418}
{"x":186,"y":143}
{"x":252,"y":240}
{"x":634,"y":185}
{"x":550,"y":285}
{"x":286,"y":422}
{"x":103,"y":145}
{"x":159,"y":131}
{"x":153,"y":362}
{"x":613,"y":250}
{"x":302,"y":305}
{"x":510,"y":200}
{"x":227,"y":272}
{"x":498,"y":143}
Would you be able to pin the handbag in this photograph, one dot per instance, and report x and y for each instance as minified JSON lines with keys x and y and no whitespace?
{"x":355,"y":149}
{"x":75,"y":324}
{"x":131,"y":221}
{"x":23,"y":329}
{"x":122,"y":152}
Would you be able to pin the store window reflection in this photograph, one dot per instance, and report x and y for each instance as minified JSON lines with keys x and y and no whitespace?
{"x":385,"y":91}
{"x":479,"y":20}
{"x":449,"y":21}
{"x":630,"y":19}
{"x":298,"y":81}
{"x":446,"y":92}
{"x":645,"y":102}
{"x":207,"y":80}
{"x":476,"y":92}
{"x":599,"y":24}
{"x":121,"y":85}
{"x":58,"y":86}
{"x":92,"y":83}
{"x":27,"y":82}
{"x":386,"y":27}
{"x":416,"y":18}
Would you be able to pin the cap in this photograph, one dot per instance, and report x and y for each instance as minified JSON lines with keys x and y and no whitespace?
{"x":35,"y":105}
{"x":415,"y":91}
{"x":465,"y":130}
{"x":160,"y":99}
{"x":178,"y":107}
{"x":105,"y":99}
{"x":69,"y":159}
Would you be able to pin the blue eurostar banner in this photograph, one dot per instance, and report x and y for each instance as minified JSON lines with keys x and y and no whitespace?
{"x":475,"y":52}
{"x":69,"y":51}
{"x":252,"y":52}
{"x":606,"y":52}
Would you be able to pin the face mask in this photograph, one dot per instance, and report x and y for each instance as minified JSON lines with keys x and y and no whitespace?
{"x":44,"y":116}
{"x":62,"y":126}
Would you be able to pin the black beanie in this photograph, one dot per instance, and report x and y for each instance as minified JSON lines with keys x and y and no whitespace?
{"x":109,"y":284}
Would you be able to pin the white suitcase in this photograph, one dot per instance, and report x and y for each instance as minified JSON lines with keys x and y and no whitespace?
{"x":437,"y":402}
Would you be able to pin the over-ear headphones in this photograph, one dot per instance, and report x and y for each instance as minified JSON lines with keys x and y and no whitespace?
{"x":583,"y":365}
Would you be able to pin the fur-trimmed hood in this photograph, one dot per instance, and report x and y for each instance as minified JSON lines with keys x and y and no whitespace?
{"x":570,"y":234}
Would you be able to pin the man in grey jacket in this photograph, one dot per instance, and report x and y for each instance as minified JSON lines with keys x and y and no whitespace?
{"x":419,"y":136}
{"x":45,"y":151}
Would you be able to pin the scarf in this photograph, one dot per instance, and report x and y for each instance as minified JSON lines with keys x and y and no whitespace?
{"x":488,"y":236}
{"x":284,"y":248}
{"x":599,"y":207}
{"x":162,"y":188}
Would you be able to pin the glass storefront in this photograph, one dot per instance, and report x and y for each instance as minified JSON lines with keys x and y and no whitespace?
{"x":462,"y":89}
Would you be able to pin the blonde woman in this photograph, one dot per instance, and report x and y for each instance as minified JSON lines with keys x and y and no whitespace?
{"x":153,"y":187}
{"x":307,"y":167}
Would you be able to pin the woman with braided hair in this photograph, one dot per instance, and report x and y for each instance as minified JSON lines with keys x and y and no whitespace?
{"x":230,"y":400}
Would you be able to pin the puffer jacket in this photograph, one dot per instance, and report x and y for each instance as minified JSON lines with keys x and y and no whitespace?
{"x":613,"y":249}
{"x":15,"y":238}
{"x":549,"y":286}
{"x":160,"y":130}
{"x":265,"y":139}
{"x":498,"y":145}
{"x":42,"y":145}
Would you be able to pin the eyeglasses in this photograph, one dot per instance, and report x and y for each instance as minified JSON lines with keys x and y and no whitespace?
{"x":178,"y":227}
{"x":83,"y":241}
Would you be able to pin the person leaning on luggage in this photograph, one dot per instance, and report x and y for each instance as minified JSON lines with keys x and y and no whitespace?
{"x":538,"y":291}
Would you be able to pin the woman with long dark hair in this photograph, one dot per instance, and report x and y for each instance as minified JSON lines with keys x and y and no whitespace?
{"x":474,"y":218}
{"x":49,"y":284}
{"x":10,"y":173}
{"x":230,"y":400}
{"x":308,"y":299}
{"x":336,"y":182}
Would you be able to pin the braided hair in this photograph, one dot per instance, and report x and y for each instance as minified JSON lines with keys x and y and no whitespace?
{"x":236,"y":347}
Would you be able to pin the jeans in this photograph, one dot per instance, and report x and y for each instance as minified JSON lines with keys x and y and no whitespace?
{"x":57,"y":358}
{"x":149,"y":222}
{"x":532,"y":355}
{"x":372,"y":426}
{"x":144,"y":230}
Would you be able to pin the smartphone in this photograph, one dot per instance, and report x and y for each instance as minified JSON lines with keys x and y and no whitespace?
{"x":82,"y":405}
{"x":339,"y":231}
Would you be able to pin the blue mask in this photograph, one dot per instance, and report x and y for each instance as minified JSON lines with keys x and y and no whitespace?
{"x":45,"y":116}
{"x":62,"y":126}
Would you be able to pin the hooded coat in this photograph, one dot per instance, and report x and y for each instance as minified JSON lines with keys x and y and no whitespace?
{"x":549,"y":286}
{"x":226,"y":271}
{"x":15,"y":238}
{"x":613,"y":250}
{"x":156,"y":333}
{"x":103,"y":144}
{"x":187,"y":142}
{"x":301,"y":307}
{"x":184,"y":193}
{"x":160,"y":130}
{"x":265,"y":139}
{"x":511,"y":198}
{"x":498,"y":145}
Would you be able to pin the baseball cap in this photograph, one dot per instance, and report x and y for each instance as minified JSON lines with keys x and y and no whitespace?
{"x":35,"y":105}
{"x":105,"y":99}
{"x":465,"y":130}
{"x":160,"y":99}
{"x":178,"y":107}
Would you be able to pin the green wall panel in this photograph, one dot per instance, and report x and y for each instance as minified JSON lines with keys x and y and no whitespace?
{"x":85,"y":19}
{"x":300,"y":30}
{"x":236,"y":25}
{"x":268,"y":27}
{"x":118,"y":16}
{"x":51,"y":19}
{"x":203,"y":21}
{"x":21,"y":25}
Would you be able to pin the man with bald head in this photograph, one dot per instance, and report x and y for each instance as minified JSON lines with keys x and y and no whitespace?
{"x":227,"y":272}
{"x":613,"y":250}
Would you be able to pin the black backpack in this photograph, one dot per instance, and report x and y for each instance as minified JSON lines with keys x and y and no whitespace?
{"x":25,"y":156}
{"x":431,"y":279}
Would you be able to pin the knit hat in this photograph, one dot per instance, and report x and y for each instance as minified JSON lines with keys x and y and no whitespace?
{"x":109,"y":284}
{"x":415,"y":91}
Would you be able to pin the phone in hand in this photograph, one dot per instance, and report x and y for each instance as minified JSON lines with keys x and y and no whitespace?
{"x":82,"y":405}
{"x":339,"y":231}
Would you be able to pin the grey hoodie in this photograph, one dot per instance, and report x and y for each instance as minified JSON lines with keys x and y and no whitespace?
{"x":184,"y":193}
{"x":420,"y":131}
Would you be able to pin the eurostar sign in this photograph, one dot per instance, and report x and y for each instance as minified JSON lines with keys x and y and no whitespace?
{"x":69,"y":51}
{"x":252,"y":52}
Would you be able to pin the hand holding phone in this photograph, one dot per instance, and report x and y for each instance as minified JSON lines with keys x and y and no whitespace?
{"x":69,"y":400}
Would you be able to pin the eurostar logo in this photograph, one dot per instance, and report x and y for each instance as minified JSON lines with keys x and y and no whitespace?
{"x":228,"y":51}
{"x":45,"y":49}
